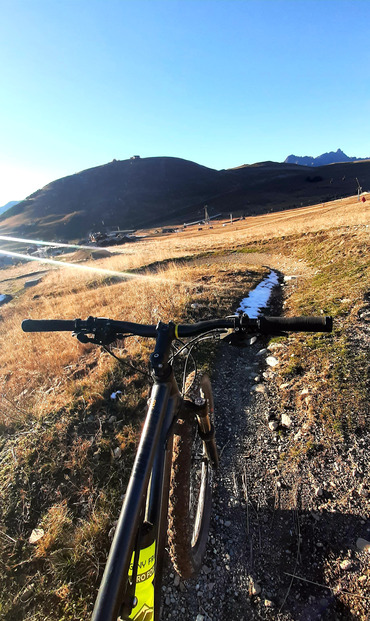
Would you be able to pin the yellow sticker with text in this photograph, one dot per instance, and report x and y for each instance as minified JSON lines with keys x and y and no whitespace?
{"x":144,"y":591}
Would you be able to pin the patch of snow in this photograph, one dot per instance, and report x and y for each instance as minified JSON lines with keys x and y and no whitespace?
{"x":4,"y":298}
{"x":114,"y":395}
{"x":258,"y":298}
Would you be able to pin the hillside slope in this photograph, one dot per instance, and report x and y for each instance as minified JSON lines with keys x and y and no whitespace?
{"x":163,"y":190}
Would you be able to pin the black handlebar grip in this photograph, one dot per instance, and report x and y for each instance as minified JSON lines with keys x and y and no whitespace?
{"x":271,"y":325}
{"x":48,"y":325}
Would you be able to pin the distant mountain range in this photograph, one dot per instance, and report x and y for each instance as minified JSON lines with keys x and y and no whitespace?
{"x":333,"y":157}
{"x":150,"y":192}
{"x":8,"y":206}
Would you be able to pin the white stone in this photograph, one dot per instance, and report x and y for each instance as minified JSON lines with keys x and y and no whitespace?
{"x":273,"y":425}
{"x":346,"y":564}
{"x":363,"y":544}
{"x":272,"y":361}
{"x":262,"y":352}
{"x":36,"y":535}
{"x":32,"y":283}
{"x":260,"y":388}
{"x":286,"y":421}
{"x":254,"y":588}
{"x":117,"y":452}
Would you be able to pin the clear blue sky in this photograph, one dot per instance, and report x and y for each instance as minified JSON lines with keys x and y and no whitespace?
{"x":219,"y":82}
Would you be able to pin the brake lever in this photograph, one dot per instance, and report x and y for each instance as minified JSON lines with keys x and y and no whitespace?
{"x":237,"y":339}
{"x":241,"y":338}
{"x":100,"y":337}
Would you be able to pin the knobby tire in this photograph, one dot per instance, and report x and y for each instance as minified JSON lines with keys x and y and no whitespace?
{"x":190,"y":495}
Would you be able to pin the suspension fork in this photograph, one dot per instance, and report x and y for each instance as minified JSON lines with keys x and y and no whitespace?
{"x":201,"y":409}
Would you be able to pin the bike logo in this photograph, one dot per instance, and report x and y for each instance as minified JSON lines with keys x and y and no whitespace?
{"x":144,"y":614}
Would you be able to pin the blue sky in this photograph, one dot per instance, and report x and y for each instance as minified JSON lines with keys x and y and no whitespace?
{"x":219,"y":82}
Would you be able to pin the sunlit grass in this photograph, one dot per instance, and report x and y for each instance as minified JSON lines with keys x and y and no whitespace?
{"x":59,"y":468}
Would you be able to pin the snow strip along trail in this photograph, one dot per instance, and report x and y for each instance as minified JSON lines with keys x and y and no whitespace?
{"x":258,"y":298}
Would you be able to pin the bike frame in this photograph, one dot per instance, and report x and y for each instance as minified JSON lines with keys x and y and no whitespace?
{"x":141,"y":530}
{"x":142,"y":524}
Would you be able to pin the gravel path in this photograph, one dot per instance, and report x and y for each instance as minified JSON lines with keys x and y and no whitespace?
{"x":267,"y":527}
{"x":221,"y":591}
{"x":227,"y":586}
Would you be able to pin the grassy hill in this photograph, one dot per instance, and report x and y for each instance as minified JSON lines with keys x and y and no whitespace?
{"x":163,"y":190}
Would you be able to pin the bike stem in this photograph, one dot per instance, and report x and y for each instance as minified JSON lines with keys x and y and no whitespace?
{"x":161,"y":369}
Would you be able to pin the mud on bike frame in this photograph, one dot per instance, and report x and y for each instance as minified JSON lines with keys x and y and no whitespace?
{"x":131,"y":583}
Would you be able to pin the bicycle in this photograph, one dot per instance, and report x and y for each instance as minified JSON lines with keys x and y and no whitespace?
{"x":170,"y":481}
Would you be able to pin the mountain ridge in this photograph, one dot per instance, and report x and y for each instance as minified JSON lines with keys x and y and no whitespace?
{"x":331,"y":157}
{"x":8,"y":206}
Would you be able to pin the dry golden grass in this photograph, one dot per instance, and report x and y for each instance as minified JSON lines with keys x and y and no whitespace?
{"x":55,"y":523}
{"x":71,"y":293}
{"x":52,"y":386}
{"x":341,"y":213}
{"x":57,"y":469}
{"x":37,"y":362}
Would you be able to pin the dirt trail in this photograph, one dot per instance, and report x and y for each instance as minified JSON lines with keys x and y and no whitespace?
{"x":225,"y":587}
{"x":267,"y":526}
{"x":221,"y":589}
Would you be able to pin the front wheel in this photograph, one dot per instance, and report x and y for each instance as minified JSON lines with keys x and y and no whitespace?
{"x":190,"y":495}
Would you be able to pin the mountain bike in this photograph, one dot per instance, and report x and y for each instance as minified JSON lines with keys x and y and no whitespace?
{"x":170,"y":484}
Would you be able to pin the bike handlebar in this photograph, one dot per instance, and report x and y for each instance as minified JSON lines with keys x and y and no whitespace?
{"x":269,"y":325}
{"x":263,"y":325}
{"x":48,"y":325}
